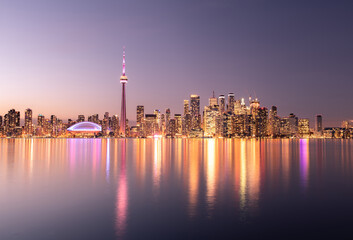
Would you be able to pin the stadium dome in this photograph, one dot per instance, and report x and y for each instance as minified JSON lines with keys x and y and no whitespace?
{"x":85,"y":127}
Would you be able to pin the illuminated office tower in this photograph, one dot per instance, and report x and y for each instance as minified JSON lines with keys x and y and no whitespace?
{"x":254,"y":106}
{"x":61,"y":127}
{"x":231,"y":101}
{"x":186,"y":107}
{"x":115,"y":125}
{"x":127,"y":128}
{"x":167,"y":118}
{"x":159,"y":122}
{"x":54,"y":125}
{"x":318,"y":125}
{"x":123,"y":81}
{"x":178,"y":124}
{"x":151,"y":124}
{"x":242,"y":125}
{"x":289,"y":126}
{"x":172,"y":128}
{"x":238,"y":107}
{"x":186,"y":124}
{"x":222,"y":104}
{"x":244,"y":109}
{"x":261,"y":122}
{"x":80,"y":118}
{"x":11,"y":122}
{"x":163,"y":130}
{"x":213,"y":101}
{"x":210,"y":117}
{"x":140,"y":113}
{"x":105,"y":124}
{"x":273,"y":123}
{"x":303,"y":127}
{"x":195,"y":111}
{"x":40,"y":121}
{"x":28,"y":122}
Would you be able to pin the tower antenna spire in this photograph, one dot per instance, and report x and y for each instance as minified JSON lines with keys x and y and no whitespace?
{"x":124,"y":61}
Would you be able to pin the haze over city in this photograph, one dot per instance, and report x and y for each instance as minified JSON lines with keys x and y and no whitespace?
{"x":64,"y":57}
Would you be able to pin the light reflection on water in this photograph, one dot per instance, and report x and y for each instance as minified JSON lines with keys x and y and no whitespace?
{"x":133,"y":188}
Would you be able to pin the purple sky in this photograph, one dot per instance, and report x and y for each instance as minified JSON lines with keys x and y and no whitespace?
{"x":64,"y":57}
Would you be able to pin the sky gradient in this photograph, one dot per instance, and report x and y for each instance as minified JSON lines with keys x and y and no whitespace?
{"x":64,"y":57}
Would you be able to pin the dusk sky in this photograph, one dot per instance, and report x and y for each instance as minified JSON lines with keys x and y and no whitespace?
{"x":64,"y":57}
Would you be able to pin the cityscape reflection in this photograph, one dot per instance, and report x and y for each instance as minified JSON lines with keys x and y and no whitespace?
{"x":128,"y":182}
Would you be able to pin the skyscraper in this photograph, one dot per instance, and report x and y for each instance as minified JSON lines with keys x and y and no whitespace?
{"x":186,"y":107}
{"x":28,"y":121}
{"x":222,"y":104}
{"x":167,"y":118}
{"x":231,"y":101}
{"x":140,"y":112}
{"x":123,"y":81}
{"x":195,"y":111}
{"x":318,"y":125}
{"x":213,"y":101}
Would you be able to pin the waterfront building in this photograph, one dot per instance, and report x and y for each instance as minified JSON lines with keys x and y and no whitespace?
{"x":274,"y":123}
{"x":178,"y":124}
{"x":210,"y":117}
{"x":28,"y":122}
{"x":162,"y":119}
{"x":151,"y":125}
{"x":172,"y":128}
{"x":115,"y":125}
{"x":54,"y":125}
{"x":318,"y":125}
{"x":303,"y":127}
{"x":167,"y":118}
{"x":186,"y":124}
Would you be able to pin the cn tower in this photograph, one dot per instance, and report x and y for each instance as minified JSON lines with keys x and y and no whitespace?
{"x":123,"y":81}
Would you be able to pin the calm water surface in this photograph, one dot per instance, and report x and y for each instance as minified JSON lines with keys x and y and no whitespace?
{"x":175,"y":189}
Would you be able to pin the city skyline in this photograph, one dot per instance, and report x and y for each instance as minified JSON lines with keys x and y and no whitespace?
{"x":64,"y":58}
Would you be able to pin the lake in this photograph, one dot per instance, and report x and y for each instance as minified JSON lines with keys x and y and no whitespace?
{"x":175,"y":188}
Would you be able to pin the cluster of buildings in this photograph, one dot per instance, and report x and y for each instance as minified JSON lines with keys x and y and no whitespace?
{"x":224,"y":116}
{"x":228,"y":117}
